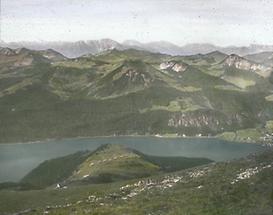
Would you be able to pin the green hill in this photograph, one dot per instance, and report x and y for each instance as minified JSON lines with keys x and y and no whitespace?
{"x":108,"y":163}
{"x":112,"y":163}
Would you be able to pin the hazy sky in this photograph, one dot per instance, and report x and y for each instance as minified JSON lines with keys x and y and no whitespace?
{"x":222,"y":22}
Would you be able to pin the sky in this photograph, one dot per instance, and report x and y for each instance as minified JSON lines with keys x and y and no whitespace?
{"x":221,"y":22}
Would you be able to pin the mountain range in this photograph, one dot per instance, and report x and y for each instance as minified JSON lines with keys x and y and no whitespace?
{"x":79,"y":48}
{"x":44,"y":94}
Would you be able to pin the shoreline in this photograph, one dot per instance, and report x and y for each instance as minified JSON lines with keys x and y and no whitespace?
{"x":108,"y":136}
{"x":121,"y":136}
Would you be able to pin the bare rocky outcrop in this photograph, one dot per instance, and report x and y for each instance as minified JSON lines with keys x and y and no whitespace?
{"x":199,"y":120}
{"x":7,"y":52}
{"x":175,"y":66}
{"x":243,"y":64}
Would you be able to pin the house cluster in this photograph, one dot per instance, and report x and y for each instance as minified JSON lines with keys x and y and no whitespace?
{"x":247,"y":173}
{"x":60,"y":186}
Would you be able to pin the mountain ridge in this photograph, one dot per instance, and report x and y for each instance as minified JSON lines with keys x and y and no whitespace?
{"x":79,"y":48}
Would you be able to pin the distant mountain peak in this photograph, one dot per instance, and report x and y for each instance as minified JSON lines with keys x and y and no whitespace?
{"x":216,"y":52}
{"x":244,"y":64}
{"x":235,"y":57}
{"x":7,"y":51}
{"x":22,"y":50}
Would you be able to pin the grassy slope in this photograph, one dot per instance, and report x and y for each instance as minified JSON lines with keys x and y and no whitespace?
{"x":112,"y":163}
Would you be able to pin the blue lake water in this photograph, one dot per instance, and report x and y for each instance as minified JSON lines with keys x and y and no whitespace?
{"x":16,"y":160}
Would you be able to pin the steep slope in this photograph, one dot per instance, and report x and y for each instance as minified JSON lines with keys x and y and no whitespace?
{"x":55,"y":170}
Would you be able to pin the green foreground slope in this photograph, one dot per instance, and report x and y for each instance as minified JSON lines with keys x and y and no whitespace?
{"x":240,"y":187}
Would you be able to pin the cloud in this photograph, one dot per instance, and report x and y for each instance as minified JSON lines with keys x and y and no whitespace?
{"x":180,"y":21}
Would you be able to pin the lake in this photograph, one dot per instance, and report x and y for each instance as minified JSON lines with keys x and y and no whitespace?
{"x":16,"y":160}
